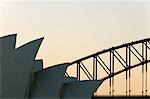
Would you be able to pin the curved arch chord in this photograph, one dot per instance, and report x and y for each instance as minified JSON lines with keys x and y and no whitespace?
{"x":109,"y":49}
{"x":123,"y":70}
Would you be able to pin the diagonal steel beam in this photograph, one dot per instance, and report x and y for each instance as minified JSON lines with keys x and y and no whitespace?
{"x":136,"y":56}
{"x":136,"y":50}
{"x":103,"y":67}
{"x":86,"y":71}
{"x":120,"y":61}
{"x":103,"y":63}
{"x":120,"y":56}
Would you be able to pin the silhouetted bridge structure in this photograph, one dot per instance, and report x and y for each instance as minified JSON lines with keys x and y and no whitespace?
{"x":127,"y":56}
{"x":23,"y":77}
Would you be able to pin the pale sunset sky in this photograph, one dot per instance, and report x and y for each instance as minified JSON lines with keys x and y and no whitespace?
{"x":74,"y":29}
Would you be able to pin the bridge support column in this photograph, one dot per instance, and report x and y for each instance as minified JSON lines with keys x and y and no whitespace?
{"x":111,"y":82}
{"x":146,"y":69}
{"x":129,"y":70}
{"x":143,"y":69}
{"x":95,"y":70}
{"x":78,"y":71}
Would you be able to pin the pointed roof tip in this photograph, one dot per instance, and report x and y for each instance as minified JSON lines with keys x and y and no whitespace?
{"x":57,"y":65}
{"x":30,"y":49}
{"x":38,"y":65}
{"x":97,"y":82}
{"x":9,"y":35}
{"x":66,"y":63}
{"x":37,"y":41}
{"x":39,"y":60}
{"x":52,"y":79}
{"x":68,"y":80}
{"x":13,"y":37}
{"x":79,"y":89}
{"x":92,"y":80}
{"x":61,"y":68}
{"x":8,"y":42}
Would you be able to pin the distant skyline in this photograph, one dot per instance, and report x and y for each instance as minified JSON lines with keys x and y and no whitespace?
{"x":74,"y":29}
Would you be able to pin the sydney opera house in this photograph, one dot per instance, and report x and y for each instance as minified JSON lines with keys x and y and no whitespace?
{"x":22,"y":76}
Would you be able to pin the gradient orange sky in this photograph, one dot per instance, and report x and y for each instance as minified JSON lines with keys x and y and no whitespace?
{"x":74,"y":29}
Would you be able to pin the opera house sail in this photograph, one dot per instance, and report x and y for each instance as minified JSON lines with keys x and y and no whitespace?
{"x":22,"y":76}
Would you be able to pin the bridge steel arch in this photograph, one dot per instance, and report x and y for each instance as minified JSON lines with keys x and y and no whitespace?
{"x":130,"y":48}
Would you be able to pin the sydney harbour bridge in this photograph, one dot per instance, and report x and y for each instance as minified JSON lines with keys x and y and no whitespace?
{"x":124,"y":56}
{"x":22,"y":76}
